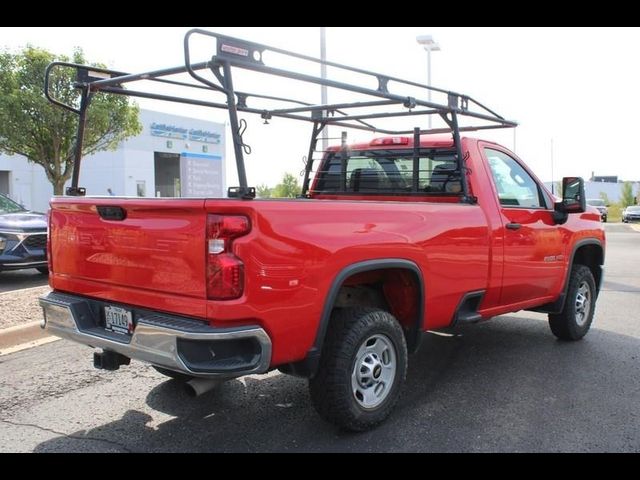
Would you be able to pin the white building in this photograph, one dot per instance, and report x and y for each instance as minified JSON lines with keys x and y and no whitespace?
{"x":613,"y":190}
{"x":173,"y":156}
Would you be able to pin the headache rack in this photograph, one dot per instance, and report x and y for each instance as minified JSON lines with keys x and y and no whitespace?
{"x":376,"y":102}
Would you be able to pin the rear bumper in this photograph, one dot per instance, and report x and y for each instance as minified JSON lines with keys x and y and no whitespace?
{"x":21,"y":265}
{"x":180,"y":344}
{"x":20,"y":258}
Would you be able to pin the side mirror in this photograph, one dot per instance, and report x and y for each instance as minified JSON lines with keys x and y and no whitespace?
{"x":573,"y":199}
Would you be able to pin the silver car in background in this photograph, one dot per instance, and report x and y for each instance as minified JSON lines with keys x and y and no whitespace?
{"x":631,"y":214}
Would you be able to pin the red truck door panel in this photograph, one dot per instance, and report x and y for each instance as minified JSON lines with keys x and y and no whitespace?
{"x":533,"y":249}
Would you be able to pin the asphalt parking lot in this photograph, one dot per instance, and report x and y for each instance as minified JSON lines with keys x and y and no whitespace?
{"x":19,"y":279}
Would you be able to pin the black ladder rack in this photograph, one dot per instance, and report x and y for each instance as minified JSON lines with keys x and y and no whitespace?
{"x":233,"y":54}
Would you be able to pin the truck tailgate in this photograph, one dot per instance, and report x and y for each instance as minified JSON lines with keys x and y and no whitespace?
{"x":158,"y":247}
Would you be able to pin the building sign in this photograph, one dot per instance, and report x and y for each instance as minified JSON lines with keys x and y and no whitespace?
{"x":168,"y":131}
{"x":204,"y":136}
{"x":200,"y":175}
{"x":194,"y":134}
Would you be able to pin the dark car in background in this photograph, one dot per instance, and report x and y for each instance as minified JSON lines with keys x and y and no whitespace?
{"x":631,"y":214}
{"x":23,"y":237}
{"x":601,"y":206}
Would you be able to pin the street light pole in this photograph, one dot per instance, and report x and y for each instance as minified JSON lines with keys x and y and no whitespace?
{"x":430,"y":45}
{"x":323,"y":88}
{"x":552,"y":186}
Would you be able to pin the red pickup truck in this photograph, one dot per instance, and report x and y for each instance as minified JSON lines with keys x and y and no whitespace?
{"x":409,"y":232}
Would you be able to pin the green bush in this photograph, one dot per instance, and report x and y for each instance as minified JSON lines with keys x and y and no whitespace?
{"x":615,"y":213}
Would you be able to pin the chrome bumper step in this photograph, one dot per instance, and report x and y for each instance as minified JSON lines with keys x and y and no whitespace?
{"x":184,"y":345}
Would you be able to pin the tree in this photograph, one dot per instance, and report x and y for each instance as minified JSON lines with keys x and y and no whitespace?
{"x":44,"y":133}
{"x":626,"y":195}
{"x":263,"y":191}
{"x":289,"y":188}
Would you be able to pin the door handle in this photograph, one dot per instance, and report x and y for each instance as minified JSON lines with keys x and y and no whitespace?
{"x":513,"y":226}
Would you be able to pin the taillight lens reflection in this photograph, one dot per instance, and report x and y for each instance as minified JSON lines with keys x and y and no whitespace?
{"x":225,"y":271}
{"x":225,"y":275}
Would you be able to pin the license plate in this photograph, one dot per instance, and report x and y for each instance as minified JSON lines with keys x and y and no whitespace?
{"x":118,"y":320}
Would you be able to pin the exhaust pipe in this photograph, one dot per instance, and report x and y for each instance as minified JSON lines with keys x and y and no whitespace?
{"x":197,"y":386}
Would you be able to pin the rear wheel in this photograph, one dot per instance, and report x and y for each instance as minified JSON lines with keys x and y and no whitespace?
{"x":574,"y":321}
{"x":183,"y":377}
{"x":362,"y":368}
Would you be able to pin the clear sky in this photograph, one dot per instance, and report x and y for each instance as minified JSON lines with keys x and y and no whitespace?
{"x":577,"y":86}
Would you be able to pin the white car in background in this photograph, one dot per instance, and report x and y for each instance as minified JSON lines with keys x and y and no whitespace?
{"x":631,"y":214}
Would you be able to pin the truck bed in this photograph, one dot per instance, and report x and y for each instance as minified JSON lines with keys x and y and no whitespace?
{"x":155,"y":258}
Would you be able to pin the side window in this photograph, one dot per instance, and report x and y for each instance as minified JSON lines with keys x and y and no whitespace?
{"x":515,"y":186}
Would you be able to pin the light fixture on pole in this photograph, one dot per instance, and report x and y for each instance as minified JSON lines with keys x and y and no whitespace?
{"x":430,"y":45}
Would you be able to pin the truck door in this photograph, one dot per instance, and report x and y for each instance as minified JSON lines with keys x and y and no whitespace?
{"x":533,"y":248}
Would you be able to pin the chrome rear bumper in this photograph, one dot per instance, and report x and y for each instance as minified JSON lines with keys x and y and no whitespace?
{"x":179,"y":344}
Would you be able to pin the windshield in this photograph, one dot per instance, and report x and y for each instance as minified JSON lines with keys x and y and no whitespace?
{"x":9,"y":206}
{"x":595,"y":202}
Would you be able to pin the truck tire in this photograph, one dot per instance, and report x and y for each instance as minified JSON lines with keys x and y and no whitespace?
{"x":362,"y":368}
{"x":183,"y":377}
{"x":574,"y":321}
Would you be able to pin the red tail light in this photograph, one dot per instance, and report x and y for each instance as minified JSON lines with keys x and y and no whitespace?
{"x":225,"y":271}
{"x":49,"y":256}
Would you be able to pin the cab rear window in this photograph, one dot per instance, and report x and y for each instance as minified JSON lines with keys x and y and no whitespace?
{"x":389,"y":172}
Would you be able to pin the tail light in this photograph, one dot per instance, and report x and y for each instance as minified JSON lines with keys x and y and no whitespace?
{"x":49,"y":256}
{"x":225,"y":271}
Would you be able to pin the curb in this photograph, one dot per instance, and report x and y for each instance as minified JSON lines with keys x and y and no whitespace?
{"x":21,"y":337}
{"x":8,"y":292}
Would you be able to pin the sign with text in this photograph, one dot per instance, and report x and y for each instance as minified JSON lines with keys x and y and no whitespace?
{"x":201,"y":175}
{"x":168,"y":131}
{"x":194,"y":134}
